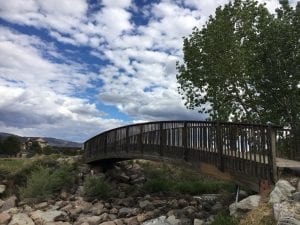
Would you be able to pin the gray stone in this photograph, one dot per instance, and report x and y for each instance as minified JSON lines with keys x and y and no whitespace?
{"x":172,"y":220}
{"x":131,"y":221}
{"x":9,"y":203}
{"x":298,"y":186}
{"x":48,"y":216}
{"x":125,"y":212}
{"x":182,"y":202}
{"x":282,"y":191}
{"x":216,"y":208}
{"x":58,"y":223}
{"x":198,"y":222}
{"x":4,"y":218}
{"x":98,"y":209}
{"x":157,"y":221}
{"x":144,"y":204}
{"x":21,"y":219}
{"x":91,"y":220}
{"x":251,"y":202}
{"x":288,"y":221}
{"x":284,"y":210}
{"x":118,"y":222}
{"x":41,"y":205}
{"x":296,"y":196}
{"x":108,"y":223}
{"x":2,"y":188}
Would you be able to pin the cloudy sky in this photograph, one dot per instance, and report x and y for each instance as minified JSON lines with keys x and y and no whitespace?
{"x":73,"y":68}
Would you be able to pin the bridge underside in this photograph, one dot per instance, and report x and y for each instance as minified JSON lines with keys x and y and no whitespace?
{"x":249,"y":182}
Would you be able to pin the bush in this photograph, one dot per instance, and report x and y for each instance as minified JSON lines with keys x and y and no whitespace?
{"x":167,"y":179}
{"x":44,"y":183}
{"x":63,"y":178}
{"x":38,"y":185}
{"x":96,"y":187}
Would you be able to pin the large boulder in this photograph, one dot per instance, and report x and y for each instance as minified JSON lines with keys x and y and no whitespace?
{"x":4,"y":218}
{"x":282,"y":191}
{"x":42,"y":217}
{"x":9,"y":203}
{"x":21,"y":219}
{"x":245,"y":205}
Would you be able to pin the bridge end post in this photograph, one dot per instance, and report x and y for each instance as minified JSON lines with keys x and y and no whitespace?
{"x":184,"y":141}
{"x":272,"y":154}
{"x":219,"y":146}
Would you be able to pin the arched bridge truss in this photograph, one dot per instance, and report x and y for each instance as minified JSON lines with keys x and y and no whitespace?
{"x":246,"y":152}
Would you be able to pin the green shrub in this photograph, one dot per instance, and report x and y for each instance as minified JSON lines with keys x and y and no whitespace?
{"x":38,"y":185}
{"x":63,"y":178}
{"x":224,"y":219}
{"x":167,"y":179}
{"x":96,"y":187}
{"x":44,"y":182}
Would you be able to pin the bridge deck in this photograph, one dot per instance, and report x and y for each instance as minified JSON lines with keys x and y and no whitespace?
{"x":286,"y":163}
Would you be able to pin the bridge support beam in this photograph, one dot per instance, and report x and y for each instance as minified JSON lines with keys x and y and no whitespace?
{"x":220,"y":147}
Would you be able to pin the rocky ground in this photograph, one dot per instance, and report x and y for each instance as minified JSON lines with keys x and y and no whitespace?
{"x":129,"y":205}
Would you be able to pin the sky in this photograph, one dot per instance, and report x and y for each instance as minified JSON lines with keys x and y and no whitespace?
{"x":71,"y":69}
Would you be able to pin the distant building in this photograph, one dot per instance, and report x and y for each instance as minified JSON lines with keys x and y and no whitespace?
{"x":42,"y":142}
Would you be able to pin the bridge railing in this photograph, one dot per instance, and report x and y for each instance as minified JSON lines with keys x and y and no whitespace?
{"x":244,"y":148}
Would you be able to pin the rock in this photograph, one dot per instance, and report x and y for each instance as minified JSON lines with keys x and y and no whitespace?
{"x":58,"y":223}
{"x":4,"y":218}
{"x":97,"y":209}
{"x":21,"y":219}
{"x":91,"y":220}
{"x":41,"y":205}
{"x":145,"y":204}
{"x":182,"y":203}
{"x":296,"y":196}
{"x":2,"y":188}
{"x":113,"y":211}
{"x":283,"y":210}
{"x":131,"y":221}
{"x":298,"y":185}
{"x":172,"y":220}
{"x":108,"y":223}
{"x":198,"y":222}
{"x":173,"y":203}
{"x":157,"y":221}
{"x":283,"y":189}
{"x":251,"y":202}
{"x":104,"y":217}
{"x":43,"y":217}
{"x":118,"y":222}
{"x":189,"y":210}
{"x":125,"y":212}
{"x":288,"y":221}
{"x":216,"y":208}
{"x":9,"y":203}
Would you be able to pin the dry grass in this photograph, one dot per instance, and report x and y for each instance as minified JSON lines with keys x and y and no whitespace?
{"x":262,"y":215}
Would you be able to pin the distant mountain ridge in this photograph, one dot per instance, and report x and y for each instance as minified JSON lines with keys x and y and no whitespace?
{"x":51,"y":141}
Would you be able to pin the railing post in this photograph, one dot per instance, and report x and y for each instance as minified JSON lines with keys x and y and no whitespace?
{"x":219,"y":146}
{"x":272,"y":153}
{"x":127,"y":140}
{"x":141,"y":139}
{"x":161,"y":139}
{"x":105,"y":143}
{"x":184,"y":142}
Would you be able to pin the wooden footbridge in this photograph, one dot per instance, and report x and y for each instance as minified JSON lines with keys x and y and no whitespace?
{"x":248,"y":154}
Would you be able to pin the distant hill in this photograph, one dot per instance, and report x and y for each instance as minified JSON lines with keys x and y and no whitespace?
{"x":51,"y":141}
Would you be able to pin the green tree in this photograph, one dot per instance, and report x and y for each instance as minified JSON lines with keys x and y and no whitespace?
{"x":11,"y":145}
{"x":35,"y":148}
{"x":243,"y":64}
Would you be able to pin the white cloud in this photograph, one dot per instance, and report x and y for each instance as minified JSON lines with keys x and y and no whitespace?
{"x":37,"y":92}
